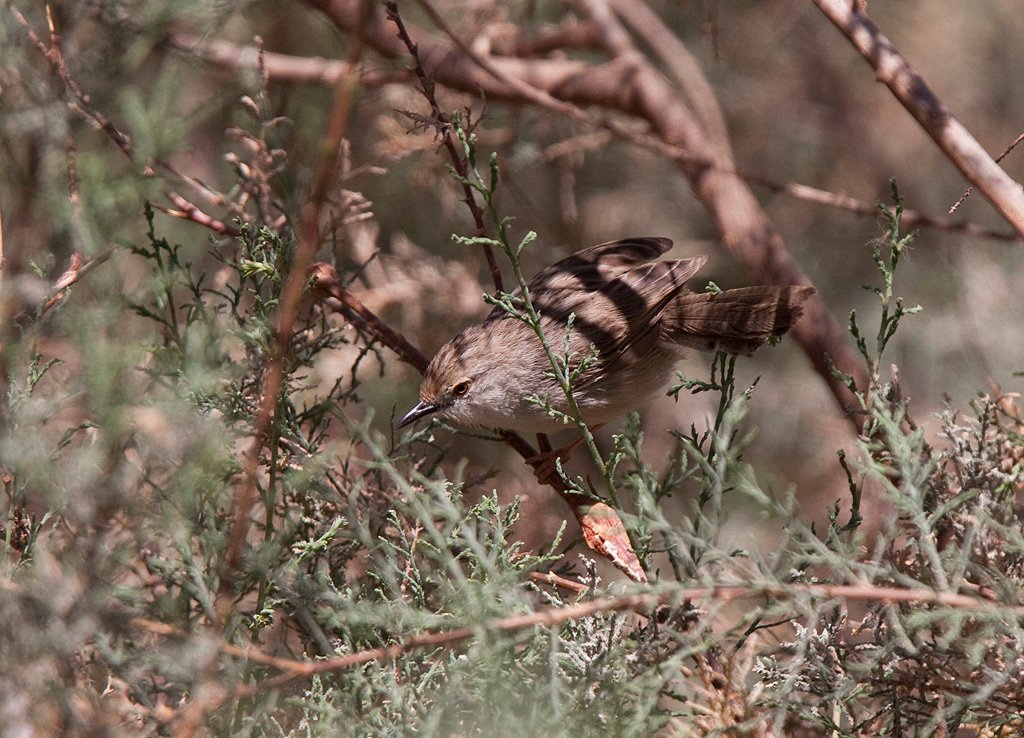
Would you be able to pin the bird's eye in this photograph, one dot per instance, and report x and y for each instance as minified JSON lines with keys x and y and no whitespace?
{"x":460,"y":389}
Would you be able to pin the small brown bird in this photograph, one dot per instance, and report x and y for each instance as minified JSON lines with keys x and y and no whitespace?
{"x":637,"y":315}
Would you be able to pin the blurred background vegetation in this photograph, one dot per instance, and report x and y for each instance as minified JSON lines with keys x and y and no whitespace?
{"x":108,"y":395}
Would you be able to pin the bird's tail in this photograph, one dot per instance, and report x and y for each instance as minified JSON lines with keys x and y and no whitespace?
{"x":735,"y":321}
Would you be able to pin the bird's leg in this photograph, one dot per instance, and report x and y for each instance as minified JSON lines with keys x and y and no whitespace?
{"x":544,"y":462}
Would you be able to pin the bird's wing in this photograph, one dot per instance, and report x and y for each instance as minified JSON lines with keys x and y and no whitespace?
{"x":616,"y":299}
{"x":589,"y":270}
{"x":633,"y":305}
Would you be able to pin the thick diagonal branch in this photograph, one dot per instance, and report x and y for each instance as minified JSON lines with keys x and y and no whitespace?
{"x":909,"y":87}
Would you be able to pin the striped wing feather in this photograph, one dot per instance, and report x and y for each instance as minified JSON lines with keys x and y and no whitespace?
{"x":616,"y":298}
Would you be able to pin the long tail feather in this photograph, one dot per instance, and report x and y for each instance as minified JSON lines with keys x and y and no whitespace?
{"x":736,"y":321}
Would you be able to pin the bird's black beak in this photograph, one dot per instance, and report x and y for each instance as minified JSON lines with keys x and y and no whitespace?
{"x":421,"y":409}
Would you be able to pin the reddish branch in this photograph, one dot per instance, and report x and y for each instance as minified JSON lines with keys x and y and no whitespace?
{"x":443,"y":124}
{"x":909,"y":87}
{"x":570,"y":34}
{"x":81,"y":103}
{"x":681,"y":65}
{"x":642,"y":602}
{"x":55,"y":57}
{"x":308,"y":241}
{"x":969,"y":190}
{"x":186,"y":210}
{"x":208,"y":693}
{"x":911,"y":218}
{"x":559,"y":581}
{"x":77,"y":268}
{"x":328,"y":289}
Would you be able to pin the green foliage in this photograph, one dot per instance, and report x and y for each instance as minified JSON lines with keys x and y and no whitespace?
{"x":903,"y":669}
{"x":346,"y":556}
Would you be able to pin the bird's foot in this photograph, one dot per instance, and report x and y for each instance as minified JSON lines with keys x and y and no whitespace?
{"x":545,"y":462}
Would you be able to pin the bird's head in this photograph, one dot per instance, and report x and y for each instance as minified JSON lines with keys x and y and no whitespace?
{"x":465,"y":382}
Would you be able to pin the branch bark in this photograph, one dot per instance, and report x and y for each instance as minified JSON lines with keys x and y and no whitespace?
{"x":909,"y":87}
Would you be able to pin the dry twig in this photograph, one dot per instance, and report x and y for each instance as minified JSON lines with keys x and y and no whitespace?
{"x":281,"y":67}
{"x":969,"y":190}
{"x":81,"y":103}
{"x":314,"y":70}
{"x":443,"y":127}
{"x":208,"y":693}
{"x":308,"y":241}
{"x":328,"y":289}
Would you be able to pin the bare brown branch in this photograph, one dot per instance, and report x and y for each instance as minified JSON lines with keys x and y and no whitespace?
{"x":55,"y":58}
{"x":77,"y":268}
{"x":81,"y":103}
{"x":909,"y":87}
{"x":186,"y":210}
{"x":578,"y":34}
{"x":683,"y":67}
{"x":911,"y":218}
{"x":443,"y":125}
{"x":744,"y":226}
{"x":570,"y":34}
{"x":969,"y":190}
{"x":208,"y":694}
{"x":290,"y":303}
{"x":558,"y":581}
